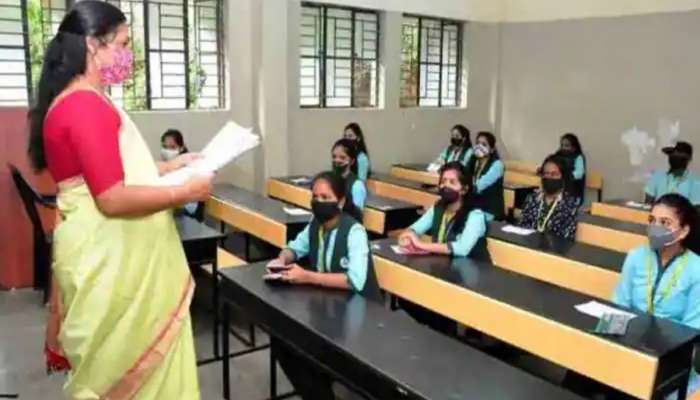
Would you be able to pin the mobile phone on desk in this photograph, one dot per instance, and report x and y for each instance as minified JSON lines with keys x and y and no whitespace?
{"x":275,"y":279}
{"x":276,"y":266}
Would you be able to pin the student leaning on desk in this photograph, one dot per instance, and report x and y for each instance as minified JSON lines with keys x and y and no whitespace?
{"x":337,"y":248}
{"x":663,"y":278}
{"x":457,"y":229}
{"x":678,"y":179}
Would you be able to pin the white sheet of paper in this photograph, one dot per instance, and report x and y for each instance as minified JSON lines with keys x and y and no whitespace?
{"x":230,"y":142}
{"x":397,"y":249}
{"x":433,"y":167}
{"x":635,"y":204}
{"x":300,"y":181}
{"x":297,"y":212}
{"x":517,"y":230}
{"x":595,"y":309}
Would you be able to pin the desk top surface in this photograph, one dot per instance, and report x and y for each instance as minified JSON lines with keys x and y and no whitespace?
{"x":419,"y":186}
{"x":615,"y":224}
{"x":413,"y":356}
{"x":192,"y":230}
{"x":648,"y":335}
{"x":256,"y":203}
{"x":554,"y":245}
{"x":375,"y":202}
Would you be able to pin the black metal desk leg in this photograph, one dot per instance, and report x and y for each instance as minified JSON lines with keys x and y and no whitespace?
{"x":215,"y":272}
{"x":273,"y":369}
{"x":226,"y":360}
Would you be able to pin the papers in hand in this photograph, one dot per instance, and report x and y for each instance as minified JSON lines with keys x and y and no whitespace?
{"x":230,"y":142}
{"x":297,"y":212}
{"x":517,"y":230}
{"x":635,"y":204}
{"x":595,"y":309}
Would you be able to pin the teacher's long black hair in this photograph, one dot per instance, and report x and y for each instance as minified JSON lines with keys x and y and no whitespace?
{"x":65,"y":59}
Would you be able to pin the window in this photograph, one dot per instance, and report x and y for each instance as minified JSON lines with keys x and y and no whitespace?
{"x":430,"y":62}
{"x":338,"y":57}
{"x":177,"y":45}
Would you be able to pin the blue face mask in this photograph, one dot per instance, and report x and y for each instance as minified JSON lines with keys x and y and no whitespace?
{"x":660,"y":236}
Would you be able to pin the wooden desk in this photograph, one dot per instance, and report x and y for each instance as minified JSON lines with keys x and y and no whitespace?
{"x":382,"y":215}
{"x":378,"y":353}
{"x":610,"y":233}
{"x":651,"y":360}
{"x":619,"y":209}
{"x":591,"y":270}
{"x":255,"y":214}
{"x":416,"y":173}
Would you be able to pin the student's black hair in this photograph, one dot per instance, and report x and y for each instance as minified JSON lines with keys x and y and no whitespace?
{"x":467,"y":198}
{"x":64,"y":60}
{"x":688,"y":215}
{"x":361,"y":143}
{"x":578,"y":150}
{"x":350,"y":149}
{"x":491,"y":139}
{"x":176,"y":135}
{"x":337,"y":184}
{"x":464,"y":132}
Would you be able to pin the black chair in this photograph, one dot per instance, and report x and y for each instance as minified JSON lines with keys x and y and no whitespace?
{"x":42,"y":241}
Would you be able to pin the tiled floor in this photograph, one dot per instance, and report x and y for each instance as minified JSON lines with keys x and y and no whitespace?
{"x":22,"y":364}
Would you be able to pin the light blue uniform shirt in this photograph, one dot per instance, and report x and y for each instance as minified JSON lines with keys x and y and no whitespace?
{"x":682,"y":304}
{"x":474,"y":229}
{"x":359,"y":194}
{"x":579,"y":168}
{"x":362,"y":166}
{"x":447,"y":156}
{"x":488,"y":178}
{"x":355,"y":264}
{"x":662,"y":183}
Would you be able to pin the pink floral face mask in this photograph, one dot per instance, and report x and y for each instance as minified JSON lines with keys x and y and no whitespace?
{"x":121,"y":67}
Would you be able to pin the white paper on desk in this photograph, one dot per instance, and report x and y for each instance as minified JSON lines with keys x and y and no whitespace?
{"x":595,"y":309}
{"x":635,"y":204}
{"x":434,"y":167}
{"x":517,"y":230}
{"x":297,"y":212}
{"x":230,"y":142}
{"x":300,"y":181}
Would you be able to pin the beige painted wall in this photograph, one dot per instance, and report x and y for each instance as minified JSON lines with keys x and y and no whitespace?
{"x":601,"y":78}
{"x":542,"y":10}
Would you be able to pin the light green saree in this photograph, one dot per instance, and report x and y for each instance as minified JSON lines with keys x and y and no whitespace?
{"x":125,"y":288}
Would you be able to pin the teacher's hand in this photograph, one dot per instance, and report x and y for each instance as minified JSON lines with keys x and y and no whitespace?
{"x":198,"y":188}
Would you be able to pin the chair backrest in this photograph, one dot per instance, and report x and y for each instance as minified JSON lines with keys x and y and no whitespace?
{"x":29,"y":198}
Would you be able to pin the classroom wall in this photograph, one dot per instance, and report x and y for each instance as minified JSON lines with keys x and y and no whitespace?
{"x":626,"y":85}
{"x":541,"y":10}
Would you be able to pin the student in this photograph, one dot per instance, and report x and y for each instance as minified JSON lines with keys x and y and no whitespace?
{"x":485,"y":171}
{"x":460,"y":148}
{"x":344,"y":158}
{"x":571,"y":151}
{"x":456,"y":227}
{"x":678,"y":179}
{"x":362,"y":168}
{"x":457,"y":230}
{"x":668,"y":268}
{"x":339,"y":257}
{"x":172,"y":145}
{"x":552,"y":209}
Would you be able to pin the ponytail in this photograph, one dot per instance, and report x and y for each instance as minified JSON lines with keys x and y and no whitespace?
{"x":63,"y":61}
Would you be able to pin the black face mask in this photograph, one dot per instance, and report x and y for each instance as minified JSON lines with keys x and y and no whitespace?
{"x":456,"y":141}
{"x":678,"y":162}
{"x":449,"y":196}
{"x":339,"y":168}
{"x":552,"y":186}
{"x":324,"y":211}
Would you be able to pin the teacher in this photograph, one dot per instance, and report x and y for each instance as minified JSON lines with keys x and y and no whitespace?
{"x":122,"y":287}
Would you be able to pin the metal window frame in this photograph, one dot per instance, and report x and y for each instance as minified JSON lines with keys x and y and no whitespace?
{"x":323,"y":55}
{"x":441,"y":64}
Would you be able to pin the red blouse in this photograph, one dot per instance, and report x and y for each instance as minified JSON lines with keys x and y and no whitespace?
{"x":81,"y":139}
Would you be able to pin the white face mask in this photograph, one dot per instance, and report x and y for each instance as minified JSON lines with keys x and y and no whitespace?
{"x":168,"y":154}
{"x":481,"y":150}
